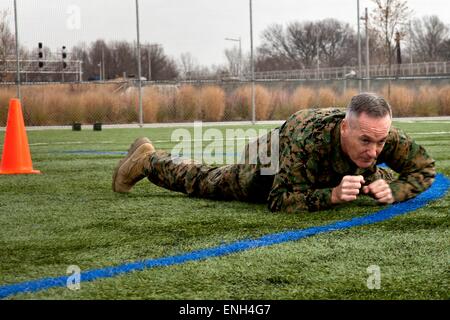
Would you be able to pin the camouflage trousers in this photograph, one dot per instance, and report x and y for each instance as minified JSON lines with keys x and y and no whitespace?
{"x":247,"y":181}
{"x":242,"y":182}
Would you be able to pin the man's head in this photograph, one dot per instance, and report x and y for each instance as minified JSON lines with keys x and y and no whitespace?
{"x":365,"y":128}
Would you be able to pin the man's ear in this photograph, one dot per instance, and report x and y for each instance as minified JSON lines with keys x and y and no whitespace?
{"x":344,"y":126}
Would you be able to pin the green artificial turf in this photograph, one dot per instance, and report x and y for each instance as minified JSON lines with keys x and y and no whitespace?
{"x":68,"y":215}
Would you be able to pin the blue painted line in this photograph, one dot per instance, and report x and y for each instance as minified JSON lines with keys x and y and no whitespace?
{"x":436,"y":191}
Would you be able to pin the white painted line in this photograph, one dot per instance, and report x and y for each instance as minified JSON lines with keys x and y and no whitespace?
{"x":429,"y":133}
{"x":190,"y":140}
{"x":441,"y":119}
{"x":69,"y":143}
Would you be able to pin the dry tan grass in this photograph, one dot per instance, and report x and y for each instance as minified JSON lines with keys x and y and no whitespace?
{"x":241,"y":103}
{"x":262,"y":103}
{"x":444,"y":101}
{"x":100,"y":106}
{"x":6,"y":94}
{"x":152,"y":100}
{"x":167,"y":111}
{"x":281,"y":104}
{"x":211,"y":101}
{"x":426,"y":102}
{"x":303,"y":98}
{"x":326,"y":98}
{"x":65,"y":104}
{"x":344,"y":99}
{"x":186,"y":104}
{"x":401,"y":100}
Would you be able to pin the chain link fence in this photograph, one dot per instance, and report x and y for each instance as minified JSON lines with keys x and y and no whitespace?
{"x":113,"y":96}
{"x":117,"y":103}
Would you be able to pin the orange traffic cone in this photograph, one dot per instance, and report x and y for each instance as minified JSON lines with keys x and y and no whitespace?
{"x":16,"y":158}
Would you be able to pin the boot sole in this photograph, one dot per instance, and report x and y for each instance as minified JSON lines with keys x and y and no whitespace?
{"x":136,"y":144}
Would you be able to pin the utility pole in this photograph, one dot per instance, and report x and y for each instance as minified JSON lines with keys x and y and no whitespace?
{"x":399,"y":52}
{"x":17,"y":51}
{"x":149,"y":64}
{"x":252,"y":65}
{"x":410,"y":48}
{"x":366,"y":20}
{"x":141,"y":116}
{"x":240,"y":59}
{"x":103,"y":62}
{"x":318,"y":59}
{"x":80,"y":75}
{"x":410,"y":42}
{"x":359,"y":50}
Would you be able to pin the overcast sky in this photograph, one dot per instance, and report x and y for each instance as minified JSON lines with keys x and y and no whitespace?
{"x":196,"y":26}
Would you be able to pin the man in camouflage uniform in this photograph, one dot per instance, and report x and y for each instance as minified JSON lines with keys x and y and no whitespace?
{"x":326,"y":157}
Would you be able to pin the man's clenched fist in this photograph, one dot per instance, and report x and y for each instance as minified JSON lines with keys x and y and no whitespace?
{"x":347,"y":190}
{"x":380,"y":190}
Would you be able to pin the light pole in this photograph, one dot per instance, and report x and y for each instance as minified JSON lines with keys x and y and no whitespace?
{"x":103,"y":62}
{"x":240,"y":55}
{"x":141,"y":116}
{"x":410,"y":48}
{"x":366,"y":20}
{"x":149,"y":64}
{"x":252,"y":63}
{"x":99,"y":71}
{"x":359,"y":50}
{"x":17,"y":50}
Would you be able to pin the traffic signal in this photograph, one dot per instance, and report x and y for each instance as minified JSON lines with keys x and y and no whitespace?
{"x":40,"y":55}
{"x":64,"y":56}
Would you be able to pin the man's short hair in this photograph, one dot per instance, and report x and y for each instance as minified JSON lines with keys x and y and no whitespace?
{"x":369,"y":103}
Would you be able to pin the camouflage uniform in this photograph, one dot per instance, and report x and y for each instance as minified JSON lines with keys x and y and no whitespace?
{"x":311,"y":163}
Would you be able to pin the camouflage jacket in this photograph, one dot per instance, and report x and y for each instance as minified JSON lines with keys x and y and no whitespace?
{"x":312,"y":163}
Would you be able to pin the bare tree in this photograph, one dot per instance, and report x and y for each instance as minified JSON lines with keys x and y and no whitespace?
{"x":389,"y":17}
{"x":166,"y":69}
{"x":337,"y":42}
{"x":275,"y":51}
{"x":301,"y":44}
{"x":445,"y":50}
{"x":429,"y":35}
{"x":188,"y":65}
{"x":376,"y":47}
{"x":119,"y":57}
{"x":99,"y":53}
{"x":7,"y":42}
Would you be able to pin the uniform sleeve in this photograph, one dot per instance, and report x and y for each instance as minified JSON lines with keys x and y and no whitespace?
{"x":292,"y":189}
{"x":386,"y":174}
{"x":415,"y":167}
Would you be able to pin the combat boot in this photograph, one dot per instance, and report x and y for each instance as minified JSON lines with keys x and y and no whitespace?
{"x":131,"y":169}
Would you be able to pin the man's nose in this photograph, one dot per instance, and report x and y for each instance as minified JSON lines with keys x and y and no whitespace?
{"x":372,"y":152}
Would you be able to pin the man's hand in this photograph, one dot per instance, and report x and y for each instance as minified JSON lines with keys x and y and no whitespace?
{"x":380,"y":190}
{"x":347,"y":190}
